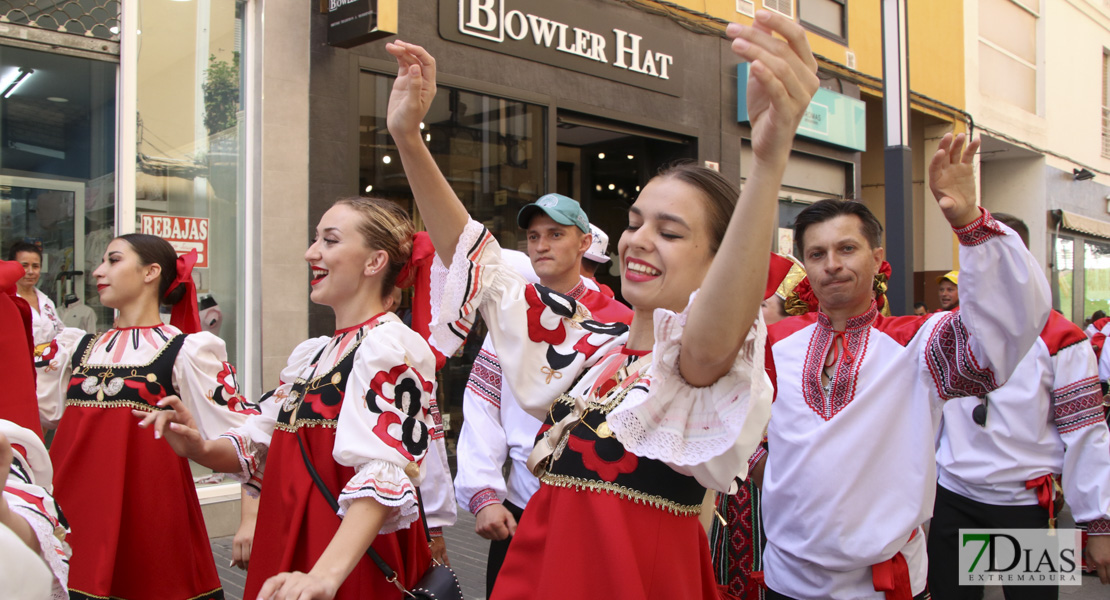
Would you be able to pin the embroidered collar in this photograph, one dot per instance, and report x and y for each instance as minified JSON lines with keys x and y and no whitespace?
{"x":853,"y":324}
{"x":577,"y":291}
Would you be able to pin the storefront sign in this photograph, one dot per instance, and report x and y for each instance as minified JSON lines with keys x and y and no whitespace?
{"x":183,"y":233}
{"x":355,"y":22}
{"x":831,"y":117}
{"x":575,"y":35}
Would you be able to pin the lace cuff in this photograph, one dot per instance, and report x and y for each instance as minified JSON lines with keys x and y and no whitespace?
{"x":685,"y":425}
{"x":53,"y":549}
{"x":252,"y":461}
{"x":387,"y":484}
{"x":458,"y":289}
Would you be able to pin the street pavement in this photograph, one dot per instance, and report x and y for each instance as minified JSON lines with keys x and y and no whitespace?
{"x":467,"y":552}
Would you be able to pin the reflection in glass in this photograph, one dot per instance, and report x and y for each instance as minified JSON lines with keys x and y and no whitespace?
{"x":1065,"y":269}
{"x":1096,"y":277}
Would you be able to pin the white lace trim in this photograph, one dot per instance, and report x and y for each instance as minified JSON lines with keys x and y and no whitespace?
{"x":52,"y":548}
{"x":685,"y":425}
{"x":387,"y":484}
{"x":249,"y":454}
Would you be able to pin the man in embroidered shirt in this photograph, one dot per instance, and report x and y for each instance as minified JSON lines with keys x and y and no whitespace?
{"x":850,"y":474}
{"x":494,"y":426}
{"x":996,"y":465}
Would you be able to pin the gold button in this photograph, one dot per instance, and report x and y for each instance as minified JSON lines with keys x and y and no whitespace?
{"x":412,"y":470}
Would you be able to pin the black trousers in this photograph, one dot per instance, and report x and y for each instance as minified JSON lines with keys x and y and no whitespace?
{"x":498,"y":549}
{"x":952,"y":512}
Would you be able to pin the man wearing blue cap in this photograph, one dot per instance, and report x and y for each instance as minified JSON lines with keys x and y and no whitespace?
{"x":494,"y":425}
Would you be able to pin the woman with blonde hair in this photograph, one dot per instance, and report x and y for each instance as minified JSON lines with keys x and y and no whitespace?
{"x":358,"y":407}
{"x":638,"y":420}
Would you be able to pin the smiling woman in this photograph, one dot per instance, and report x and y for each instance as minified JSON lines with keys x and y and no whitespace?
{"x":670,"y":406}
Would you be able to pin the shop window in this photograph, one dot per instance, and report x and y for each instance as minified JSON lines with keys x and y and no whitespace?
{"x":57,"y":172}
{"x":492,"y":151}
{"x":1063,"y":281}
{"x":1096,"y":277}
{"x":826,"y":17}
{"x":1008,"y":51}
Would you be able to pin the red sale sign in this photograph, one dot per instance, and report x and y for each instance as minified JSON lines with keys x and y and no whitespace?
{"x":183,"y":233}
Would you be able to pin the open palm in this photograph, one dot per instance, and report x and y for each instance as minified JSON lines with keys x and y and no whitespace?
{"x":414,"y":89}
{"x":952,"y":179}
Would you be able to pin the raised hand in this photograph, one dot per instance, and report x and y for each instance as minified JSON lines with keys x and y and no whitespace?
{"x":781,"y":81}
{"x":952,"y":179}
{"x":413,"y":90}
{"x":176,"y":425}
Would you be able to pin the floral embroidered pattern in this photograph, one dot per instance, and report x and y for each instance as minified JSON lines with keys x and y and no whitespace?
{"x":954,"y":369}
{"x":1078,"y":405}
{"x":401,"y":388}
{"x":48,"y":353}
{"x":227,"y":391}
{"x":979,"y":230}
{"x":853,"y":341}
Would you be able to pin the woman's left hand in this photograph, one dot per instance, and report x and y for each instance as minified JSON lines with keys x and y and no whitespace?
{"x":439,"y":551}
{"x":298,"y":586}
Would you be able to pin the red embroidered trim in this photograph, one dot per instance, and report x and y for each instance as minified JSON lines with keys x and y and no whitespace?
{"x":955,"y":371}
{"x":482,"y":499}
{"x":1099,"y":527}
{"x":979,"y":230}
{"x":843,"y":391}
{"x":485,"y":378}
{"x":1078,"y":405}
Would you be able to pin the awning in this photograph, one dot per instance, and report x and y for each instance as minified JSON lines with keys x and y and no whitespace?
{"x":1081,"y":224}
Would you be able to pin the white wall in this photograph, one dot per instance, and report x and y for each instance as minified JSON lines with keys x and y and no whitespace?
{"x":1018,"y":187}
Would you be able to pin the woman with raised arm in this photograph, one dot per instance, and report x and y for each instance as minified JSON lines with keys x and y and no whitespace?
{"x":361,"y":405}
{"x":113,"y":481}
{"x":638,"y":421}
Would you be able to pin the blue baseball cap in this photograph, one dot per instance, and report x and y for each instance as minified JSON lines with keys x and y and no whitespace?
{"x":562,"y":210}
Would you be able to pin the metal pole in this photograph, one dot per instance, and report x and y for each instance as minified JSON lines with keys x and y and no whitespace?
{"x":897,"y":156}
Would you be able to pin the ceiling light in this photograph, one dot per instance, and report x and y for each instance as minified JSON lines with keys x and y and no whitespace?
{"x":369,"y":189}
{"x":637,"y":188}
{"x":387,"y":159}
{"x":427,"y":137}
{"x":24,"y":74}
{"x":612,"y":187}
{"x":421,"y":126}
{"x":630,"y":157}
{"x":601,"y":155}
{"x":114,"y":30}
{"x":598,"y":187}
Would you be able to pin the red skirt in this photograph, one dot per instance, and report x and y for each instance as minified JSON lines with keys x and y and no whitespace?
{"x":137,"y":529}
{"x":585,"y":544}
{"x":295,"y":523}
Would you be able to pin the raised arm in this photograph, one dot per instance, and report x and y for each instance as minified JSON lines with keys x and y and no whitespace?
{"x":781,"y":81}
{"x":443,"y":213}
{"x":1004,"y":297}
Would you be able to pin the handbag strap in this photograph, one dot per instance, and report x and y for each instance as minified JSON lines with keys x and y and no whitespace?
{"x":389,"y":573}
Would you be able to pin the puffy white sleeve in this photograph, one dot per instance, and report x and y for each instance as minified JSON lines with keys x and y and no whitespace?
{"x":28,"y":493}
{"x":1104,"y":366}
{"x":252,"y":438}
{"x":1077,"y":407}
{"x":52,"y":373}
{"x":386,"y":424}
{"x":206,"y":384}
{"x":545,"y":339}
{"x":705,"y":432}
{"x":483,"y":443}
{"x":975,"y":350}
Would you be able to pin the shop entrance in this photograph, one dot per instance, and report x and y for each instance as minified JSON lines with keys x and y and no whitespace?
{"x":604,"y":165}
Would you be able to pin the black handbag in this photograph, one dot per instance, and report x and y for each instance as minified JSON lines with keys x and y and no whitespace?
{"x":439,"y":582}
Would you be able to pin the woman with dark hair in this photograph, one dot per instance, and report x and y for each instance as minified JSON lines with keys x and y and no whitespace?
{"x":137,"y":527}
{"x":361,"y":404}
{"x":45,"y":322}
{"x":639,"y":420}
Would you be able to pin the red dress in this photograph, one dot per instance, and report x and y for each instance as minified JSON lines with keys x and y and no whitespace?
{"x":360,"y":402}
{"x":130,"y":501}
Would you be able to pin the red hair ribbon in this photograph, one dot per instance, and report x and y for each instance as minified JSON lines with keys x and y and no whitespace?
{"x":776,"y":272}
{"x":417,"y":274}
{"x":880,"y":286}
{"x":185,"y":314}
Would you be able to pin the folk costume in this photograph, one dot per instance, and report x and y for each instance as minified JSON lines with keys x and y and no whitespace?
{"x":495,"y":428}
{"x":113,"y":478}
{"x":1004,"y":458}
{"x":627,"y":447}
{"x":362,"y":403}
{"x":850,"y":471}
{"x":45,"y":322}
